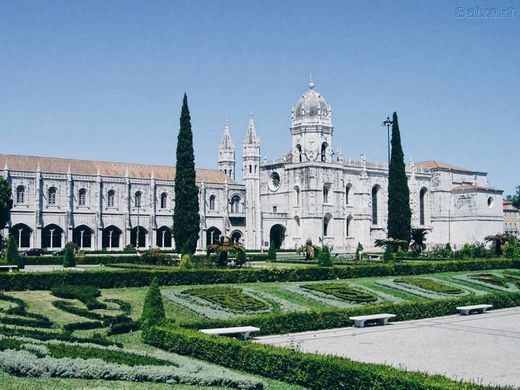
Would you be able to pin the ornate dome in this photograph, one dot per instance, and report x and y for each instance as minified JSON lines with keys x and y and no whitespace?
{"x":311,"y":105}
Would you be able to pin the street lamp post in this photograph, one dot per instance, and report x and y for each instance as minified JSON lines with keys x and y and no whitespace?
{"x":388,"y":123}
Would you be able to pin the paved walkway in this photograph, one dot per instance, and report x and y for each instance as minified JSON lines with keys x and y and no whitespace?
{"x":480,"y":348}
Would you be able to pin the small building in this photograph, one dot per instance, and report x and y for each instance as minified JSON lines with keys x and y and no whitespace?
{"x":511,"y":219}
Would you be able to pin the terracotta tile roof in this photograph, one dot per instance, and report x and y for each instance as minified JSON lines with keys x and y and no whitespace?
{"x":469,"y":187}
{"x":433,"y":164}
{"x":509,"y":206}
{"x":111,"y":169}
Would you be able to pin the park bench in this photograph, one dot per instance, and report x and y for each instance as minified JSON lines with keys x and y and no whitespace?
{"x":465,"y":310}
{"x":8,"y":268}
{"x":245,"y":331}
{"x":381,"y":319}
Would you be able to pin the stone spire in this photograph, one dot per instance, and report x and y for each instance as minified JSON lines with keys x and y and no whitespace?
{"x":252,"y":138}
{"x":226,"y":153}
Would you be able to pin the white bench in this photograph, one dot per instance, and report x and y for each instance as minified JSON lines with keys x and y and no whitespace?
{"x":465,"y":310}
{"x":382,"y":319}
{"x":8,"y":268}
{"x":245,"y":331}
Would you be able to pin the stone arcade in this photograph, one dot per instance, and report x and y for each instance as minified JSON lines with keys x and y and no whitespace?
{"x":312,"y":192}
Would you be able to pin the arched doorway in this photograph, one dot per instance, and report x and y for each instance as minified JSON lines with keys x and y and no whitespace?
{"x":213,"y":235}
{"x":111,"y":237}
{"x":164,"y":237}
{"x":22,"y":234}
{"x":236,"y":236}
{"x":135,"y":241}
{"x":52,"y":236}
{"x":82,"y":236}
{"x":277,"y":235}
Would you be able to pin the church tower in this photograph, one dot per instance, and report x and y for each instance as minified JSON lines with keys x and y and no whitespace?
{"x":226,"y":154}
{"x":251,"y":177}
{"x":311,"y":128}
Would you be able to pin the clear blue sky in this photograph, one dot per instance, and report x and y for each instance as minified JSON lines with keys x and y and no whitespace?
{"x":104,"y":79}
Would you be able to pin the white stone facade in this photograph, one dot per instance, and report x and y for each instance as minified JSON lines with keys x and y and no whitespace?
{"x":312,"y":192}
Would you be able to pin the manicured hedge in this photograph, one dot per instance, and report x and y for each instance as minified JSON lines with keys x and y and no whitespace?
{"x":139,"y":278}
{"x":337,"y":318}
{"x":312,"y":371}
{"x":91,"y":260}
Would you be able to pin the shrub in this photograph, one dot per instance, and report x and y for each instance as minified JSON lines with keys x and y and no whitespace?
{"x":491,"y":279}
{"x":39,"y":335}
{"x":389,"y":255}
{"x":129,"y":249}
{"x":323,"y":259}
{"x":432,"y":285}
{"x":82,"y":326}
{"x":240,"y":259}
{"x":308,"y":370}
{"x":231,"y":298}
{"x":271,"y":253}
{"x":12,"y":281}
{"x":342,"y":291}
{"x":359,"y":251}
{"x":86,"y":294}
{"x":153,"y":309}
{"x":69,"y":257}
{"x":125,"y":307}
{"x":154,"y":256}
{"x":186,"y":262}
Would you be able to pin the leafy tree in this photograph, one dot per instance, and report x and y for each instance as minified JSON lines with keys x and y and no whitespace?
{"x":418,"y":240}
{"x":515,"y":199}
{"x":271,"y":253}
{"x":69,"y":258}
{"x":324,"y":259}
{"x":153,"y":309}
{"x":6,"y":204}
{"x":399,"y":213}
{"x":186,"y":214}
{"x":240,"y":259}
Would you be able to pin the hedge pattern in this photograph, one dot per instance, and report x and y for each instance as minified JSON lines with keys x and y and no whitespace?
{"x":139,"y":278}
{"x":338,"y":318}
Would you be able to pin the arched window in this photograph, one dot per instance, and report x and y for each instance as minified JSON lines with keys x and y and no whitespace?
{"x":375,"y":204}
{"x":347,"y":193}
{"x":20,"y":194}
{"x":326,"y":222}
{"x":299,"y":152}
{"x":296,"y":195}
{"x":212,"y":202}
{"x":235,"y":204}
{"x":137,"y":199}
{"x":111,"y":198}
{"x":422,"y":206}
{"x":348,"y":227}
{"x":324,"y":151}
{"x":164,"y":199}
{"x":325,"y":193}
{"x":82,"y":197}
{"x":52,"y":195}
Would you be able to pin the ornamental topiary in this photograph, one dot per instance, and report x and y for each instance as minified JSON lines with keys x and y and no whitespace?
{"x":271,"y":254}
{"x":153,"y":309}
{"x":186,"y":262}
{"x":11,"y":255}
{"x":69,"y":259}
{"x":324,"y":259}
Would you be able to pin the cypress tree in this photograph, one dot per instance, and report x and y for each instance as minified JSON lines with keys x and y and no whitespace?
{"x":399,"y":213}
{"x":153,"y":308}
{"x":186,"y":219}
{"x":6,"y":203}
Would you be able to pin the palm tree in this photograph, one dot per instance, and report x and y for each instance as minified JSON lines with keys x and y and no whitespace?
{"x":223,"y":248}
{"x":418,"y":239}
{"x":498,"y":240}
{"x":310,"y":250}
{"x":395,"y":244}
